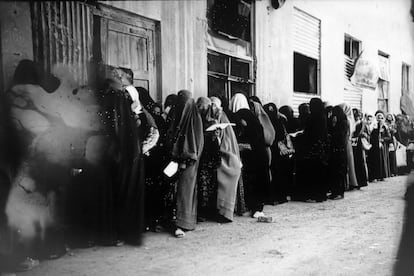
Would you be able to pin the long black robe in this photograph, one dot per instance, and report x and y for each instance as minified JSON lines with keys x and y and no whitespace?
{"x":185,"y":144}
{"x":337,"y":163}
{"x":313,"y":174}
{"x":281,"y":166}
{"x":255,"y":161}
{"x":378,"y":163}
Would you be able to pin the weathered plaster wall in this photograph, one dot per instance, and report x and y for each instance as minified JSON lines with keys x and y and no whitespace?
{"x":16,"y":38}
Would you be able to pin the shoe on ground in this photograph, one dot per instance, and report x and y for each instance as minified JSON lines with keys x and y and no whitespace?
{"x":258,"y":214}
{"x":179,"y":233}
{"x":336,"y":197}
{"x":27,"y":264}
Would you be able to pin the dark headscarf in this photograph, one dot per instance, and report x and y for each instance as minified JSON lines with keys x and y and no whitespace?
{"x":170,"y":100}
{"x":268,"y":129}
{"x":255,"y":99}
{"x":316,"y":126}
{"x":278,"y":121}
{"x":342,"y":125}
{"x":292,"y":124}
{"x":145,"y":99}
{"x":206,"y":113}
{"x":304,"y":113}
{"x":380,"y":111}
{"x":185,"y":135}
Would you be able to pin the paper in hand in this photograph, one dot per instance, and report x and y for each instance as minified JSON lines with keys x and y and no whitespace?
{"x":171,"y":169}
{"x":219,"y":126}
{"x":294,"y":134}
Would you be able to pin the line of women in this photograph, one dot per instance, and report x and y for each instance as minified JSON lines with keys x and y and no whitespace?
{"x":236,"y":158}
{"x":131,"y":164}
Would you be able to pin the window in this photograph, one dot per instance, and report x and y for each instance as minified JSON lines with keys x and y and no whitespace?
{"x":228,"y":75}
{"x":352,"y":49}
{"x":383,"y":81}
{"x":230,"y":18}
{"x":405,"y":78}
{"x":383,"y":88}
{"x":306,"y":55}
{"x":305,"y":74}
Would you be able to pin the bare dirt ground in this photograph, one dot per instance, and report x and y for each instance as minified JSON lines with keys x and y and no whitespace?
{"x":355,"y":236}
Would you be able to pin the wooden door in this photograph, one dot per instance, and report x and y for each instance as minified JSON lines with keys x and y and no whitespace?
{"x":129,"y":42}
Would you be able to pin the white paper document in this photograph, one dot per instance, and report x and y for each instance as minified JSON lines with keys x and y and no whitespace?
{"x":219,"y":126}
{"x":171,"y":169}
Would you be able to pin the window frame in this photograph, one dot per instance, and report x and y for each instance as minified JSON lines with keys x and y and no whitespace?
{"x":351,"y":58}
{"x":384,"y":98}
{"x":352,"y":40}
{"x":318,"y":60}
{"x":307,"y":76}
{"x":228,"y":77}
{"x":405,"y":78}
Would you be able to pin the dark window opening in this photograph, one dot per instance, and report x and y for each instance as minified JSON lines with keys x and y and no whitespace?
{"x":230,"y":17}
{"x":351,"y":47}
{"x":305,"y":78}
{"x":216,"y":87}
{"x":405,"y":78}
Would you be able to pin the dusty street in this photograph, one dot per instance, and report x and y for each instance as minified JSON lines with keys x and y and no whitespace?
{"x":355,"y":236}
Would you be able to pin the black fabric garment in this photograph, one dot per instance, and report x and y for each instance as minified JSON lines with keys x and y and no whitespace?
{"x":337,"y":163}
{"x":122,"y":197}
{"x":145,"y":99}
{"x":292,"y":124}
{"x":269,"y":136}
{"x":209,"y":161}
{"x":404,"y":265}
{"x":255,"y":162}
{"x":184,"y":145}
{"x":155,"y":190}
{"x":281,"y":165}
{"x":315,"y":148}
{"x":360,"y":157}
{"x":304,"y":113}
{"x":378,"y":161}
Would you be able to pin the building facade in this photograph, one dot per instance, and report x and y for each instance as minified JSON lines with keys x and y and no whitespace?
{"x":284,"y":52}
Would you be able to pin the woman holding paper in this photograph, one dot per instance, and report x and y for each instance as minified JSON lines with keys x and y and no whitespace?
{"x":229,"y":169}
{"x":184,"y":144}
{"x":209,"y":161}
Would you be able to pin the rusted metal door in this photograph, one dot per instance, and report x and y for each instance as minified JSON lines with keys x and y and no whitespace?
{"x":129,"y":42}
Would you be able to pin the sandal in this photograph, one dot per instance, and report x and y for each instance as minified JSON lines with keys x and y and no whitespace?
{"x":27,"y":264}
{"x":179,"y":233}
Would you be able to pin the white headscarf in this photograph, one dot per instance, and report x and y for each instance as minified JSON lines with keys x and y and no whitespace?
{"x":216,"y":101}
{"x":238,"y":101}
{"x":136,"y":104}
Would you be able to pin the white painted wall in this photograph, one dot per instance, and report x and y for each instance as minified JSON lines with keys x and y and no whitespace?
{"x":382,"y":24}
